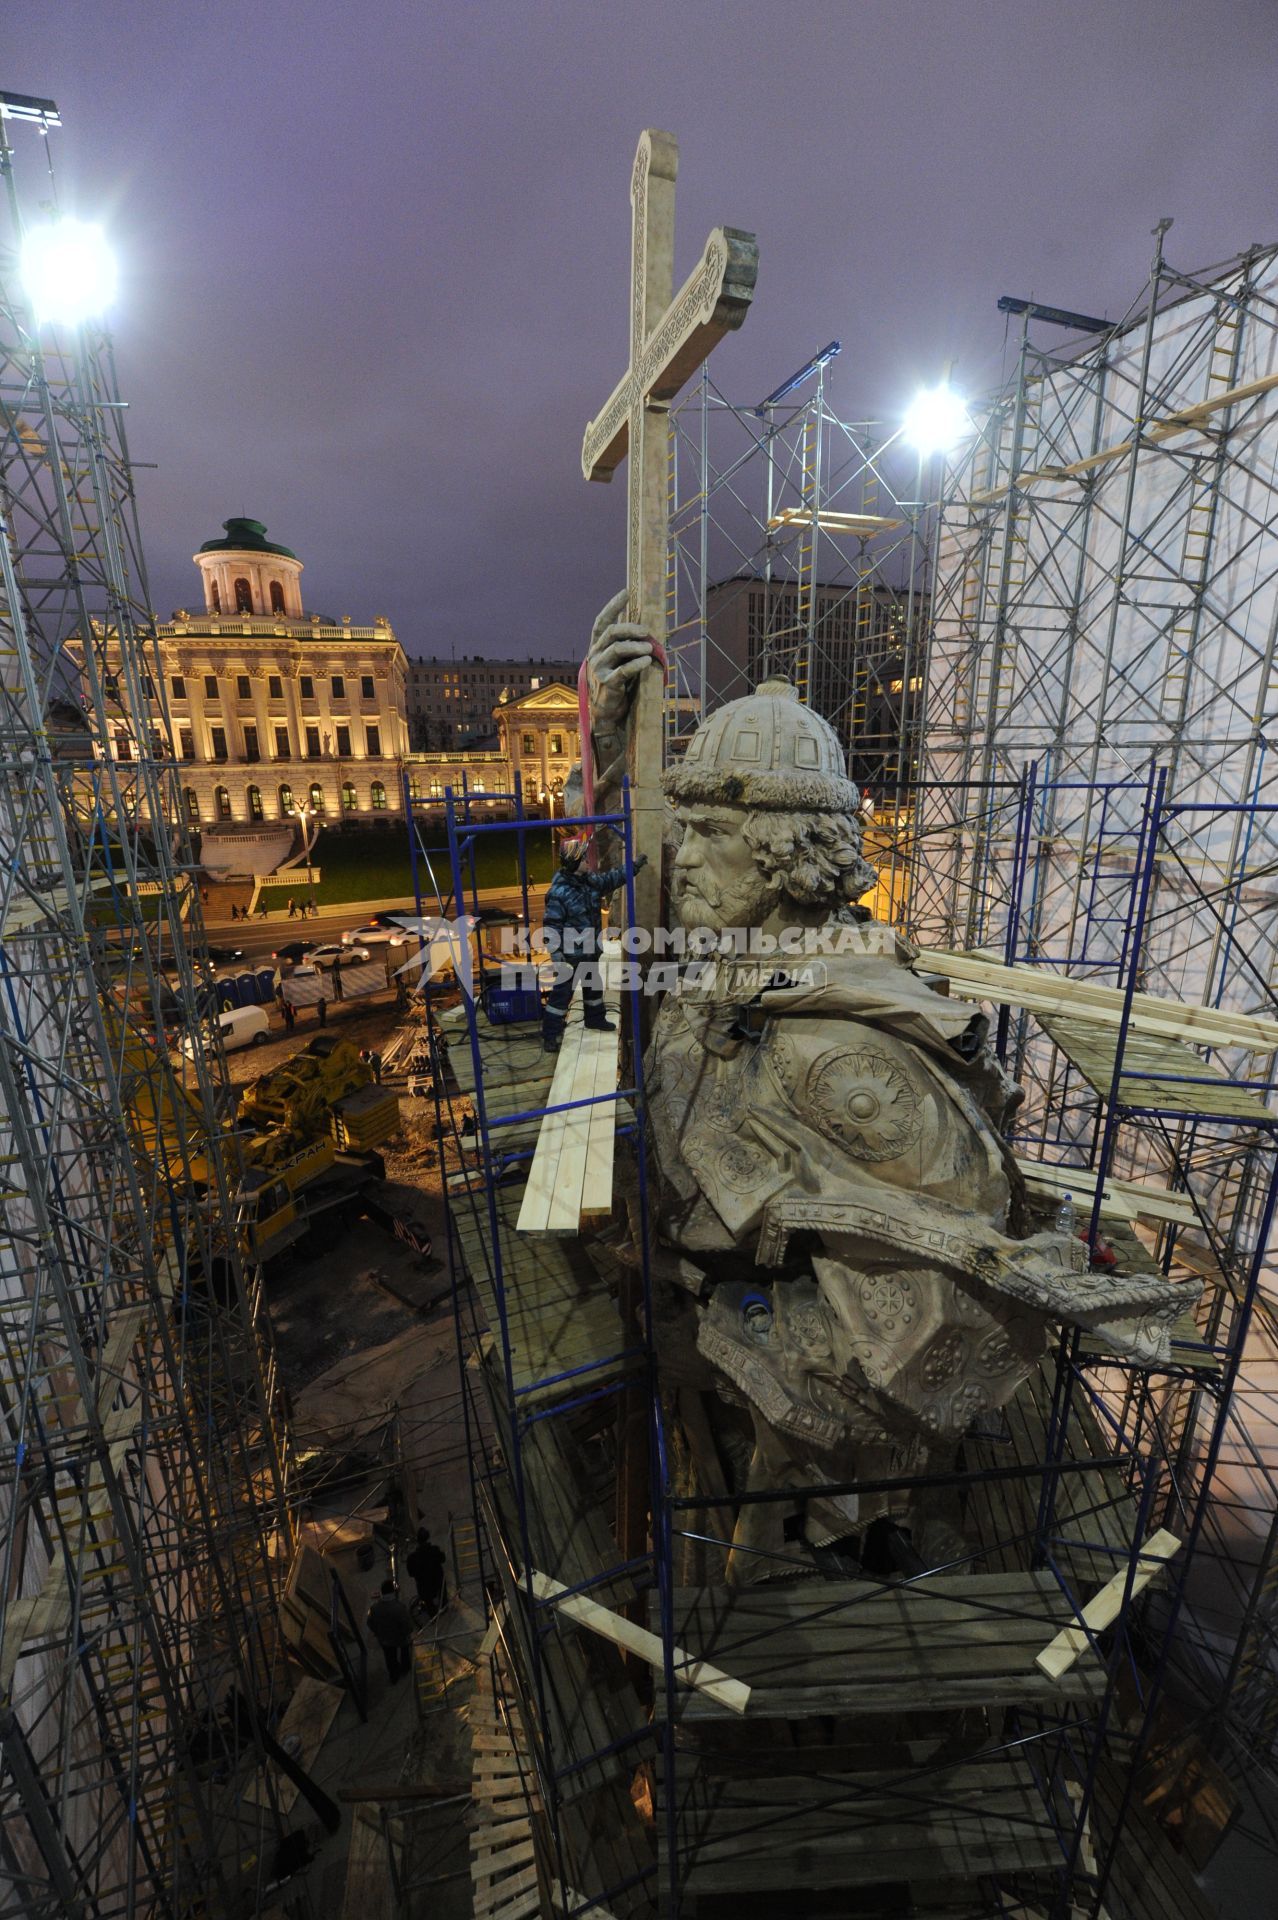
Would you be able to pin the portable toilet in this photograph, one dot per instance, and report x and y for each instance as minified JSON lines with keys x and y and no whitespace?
{"x":265,"y":977}
{"x":228,"y":994}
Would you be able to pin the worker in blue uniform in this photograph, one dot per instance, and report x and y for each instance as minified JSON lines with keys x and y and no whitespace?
{"x":573,"y":918}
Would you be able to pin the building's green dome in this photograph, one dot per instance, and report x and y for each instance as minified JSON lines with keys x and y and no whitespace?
{"x":245,"y":536}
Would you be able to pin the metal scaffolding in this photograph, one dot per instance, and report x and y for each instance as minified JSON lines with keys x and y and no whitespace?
{"x":798,"y":546}
{"x":143,"y":1523}
{"x":1100,"y":802}
{"x":901,"y":1729}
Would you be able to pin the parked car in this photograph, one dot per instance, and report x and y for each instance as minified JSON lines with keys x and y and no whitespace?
{"x":239,"y":1027}
{"x":294,"y":950}
{"x":351,"y":956}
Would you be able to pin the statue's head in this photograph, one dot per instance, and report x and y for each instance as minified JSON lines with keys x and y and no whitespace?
{"x":769,"y":822}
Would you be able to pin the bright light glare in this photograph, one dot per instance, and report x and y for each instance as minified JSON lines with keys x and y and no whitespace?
{"x":68,"y":270}
{"x":937,"y":420}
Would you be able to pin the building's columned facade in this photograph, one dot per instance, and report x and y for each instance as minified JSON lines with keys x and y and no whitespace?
{"x":538,"y":737}
{"x":270,"y":709}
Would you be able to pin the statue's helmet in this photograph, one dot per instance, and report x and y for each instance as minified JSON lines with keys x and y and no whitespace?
{"x":766,"y":750}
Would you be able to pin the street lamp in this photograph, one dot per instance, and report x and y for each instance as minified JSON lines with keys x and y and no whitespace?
{"x":68,"y":270}
{"x":310,"y":812}
{"x":936,"y":421}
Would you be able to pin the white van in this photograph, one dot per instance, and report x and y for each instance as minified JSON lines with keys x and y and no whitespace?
{"x":239,"y":1027}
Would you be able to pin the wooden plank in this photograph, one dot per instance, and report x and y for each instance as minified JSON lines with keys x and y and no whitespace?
{"x":637,"y":1640}
{"x":744,"y":1833}
{"x":1128,"y":1199}
{"x":978,"y":976}
{"x":309,"y":1715}
{"x":576,"y":1147}
{"x":1104,"y":1608}
{"x":368,"y":1893}
{"x":1185,"y":420}
{"x":539,"y":1193}
{"x":1174,"y":1079}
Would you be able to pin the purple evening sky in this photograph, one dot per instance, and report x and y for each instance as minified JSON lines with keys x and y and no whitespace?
{"x":375,"y":257}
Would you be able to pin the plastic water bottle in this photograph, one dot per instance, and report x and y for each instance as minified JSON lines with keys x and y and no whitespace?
{"x":1065,"y":1222}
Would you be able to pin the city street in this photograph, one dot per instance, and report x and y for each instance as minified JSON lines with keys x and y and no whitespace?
{"x":259,"y":938}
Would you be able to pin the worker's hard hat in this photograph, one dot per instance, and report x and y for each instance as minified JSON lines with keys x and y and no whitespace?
{"x":766,"y":750}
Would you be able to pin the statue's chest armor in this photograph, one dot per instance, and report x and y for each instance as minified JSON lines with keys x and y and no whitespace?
{"x":830,"y":1106}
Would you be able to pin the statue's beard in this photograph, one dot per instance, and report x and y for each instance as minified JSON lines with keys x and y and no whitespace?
{"x":700,"y":900}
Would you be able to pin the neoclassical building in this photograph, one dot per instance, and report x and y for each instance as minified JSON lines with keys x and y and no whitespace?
{"x":270,"y":708}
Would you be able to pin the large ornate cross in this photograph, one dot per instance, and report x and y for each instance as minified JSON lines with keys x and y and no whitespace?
{"x":669,"y":339}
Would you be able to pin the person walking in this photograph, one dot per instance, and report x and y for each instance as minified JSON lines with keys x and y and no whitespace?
{"x":321,"y":1008}
{"x":391,"y":1625}
{"x":426,"y":1564}
{"x":337,"y":976}
{"x":290,"y":1016}
{"x":262,"y":908}
{"x":375,"y":1062}
{"x":572,"y":918}
{"x":292,"y":908}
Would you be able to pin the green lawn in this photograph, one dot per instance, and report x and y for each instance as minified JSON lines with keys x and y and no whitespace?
{"x":375,"y":865}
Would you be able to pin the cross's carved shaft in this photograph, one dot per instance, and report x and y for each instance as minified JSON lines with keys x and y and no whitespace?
{"x":669,"y":339}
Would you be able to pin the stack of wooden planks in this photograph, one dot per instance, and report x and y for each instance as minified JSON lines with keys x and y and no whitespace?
{"x":570,"y":1183}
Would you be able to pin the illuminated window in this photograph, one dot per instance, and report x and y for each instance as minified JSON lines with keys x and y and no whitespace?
{"x":378,"y":797}
{"x":436,"y":789}
{"x":317,"y":797}
{"x":528,"y":743}
{"x":192,"y":800}
{"x":222,"y":803}
{"x":255,"y":803}
{"x":556,"y":743}
{"x":349,"y":802}
{"x":287,"y":802}
{"x":277,"y":597}
{"x":243,"y":597}
{"x":123,"y":747}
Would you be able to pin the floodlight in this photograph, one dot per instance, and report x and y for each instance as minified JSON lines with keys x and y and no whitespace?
{"x":937,"y":420}
{"x":68,"y":270}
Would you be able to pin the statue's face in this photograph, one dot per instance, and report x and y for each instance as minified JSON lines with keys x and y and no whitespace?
{"x":717,"y":882}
